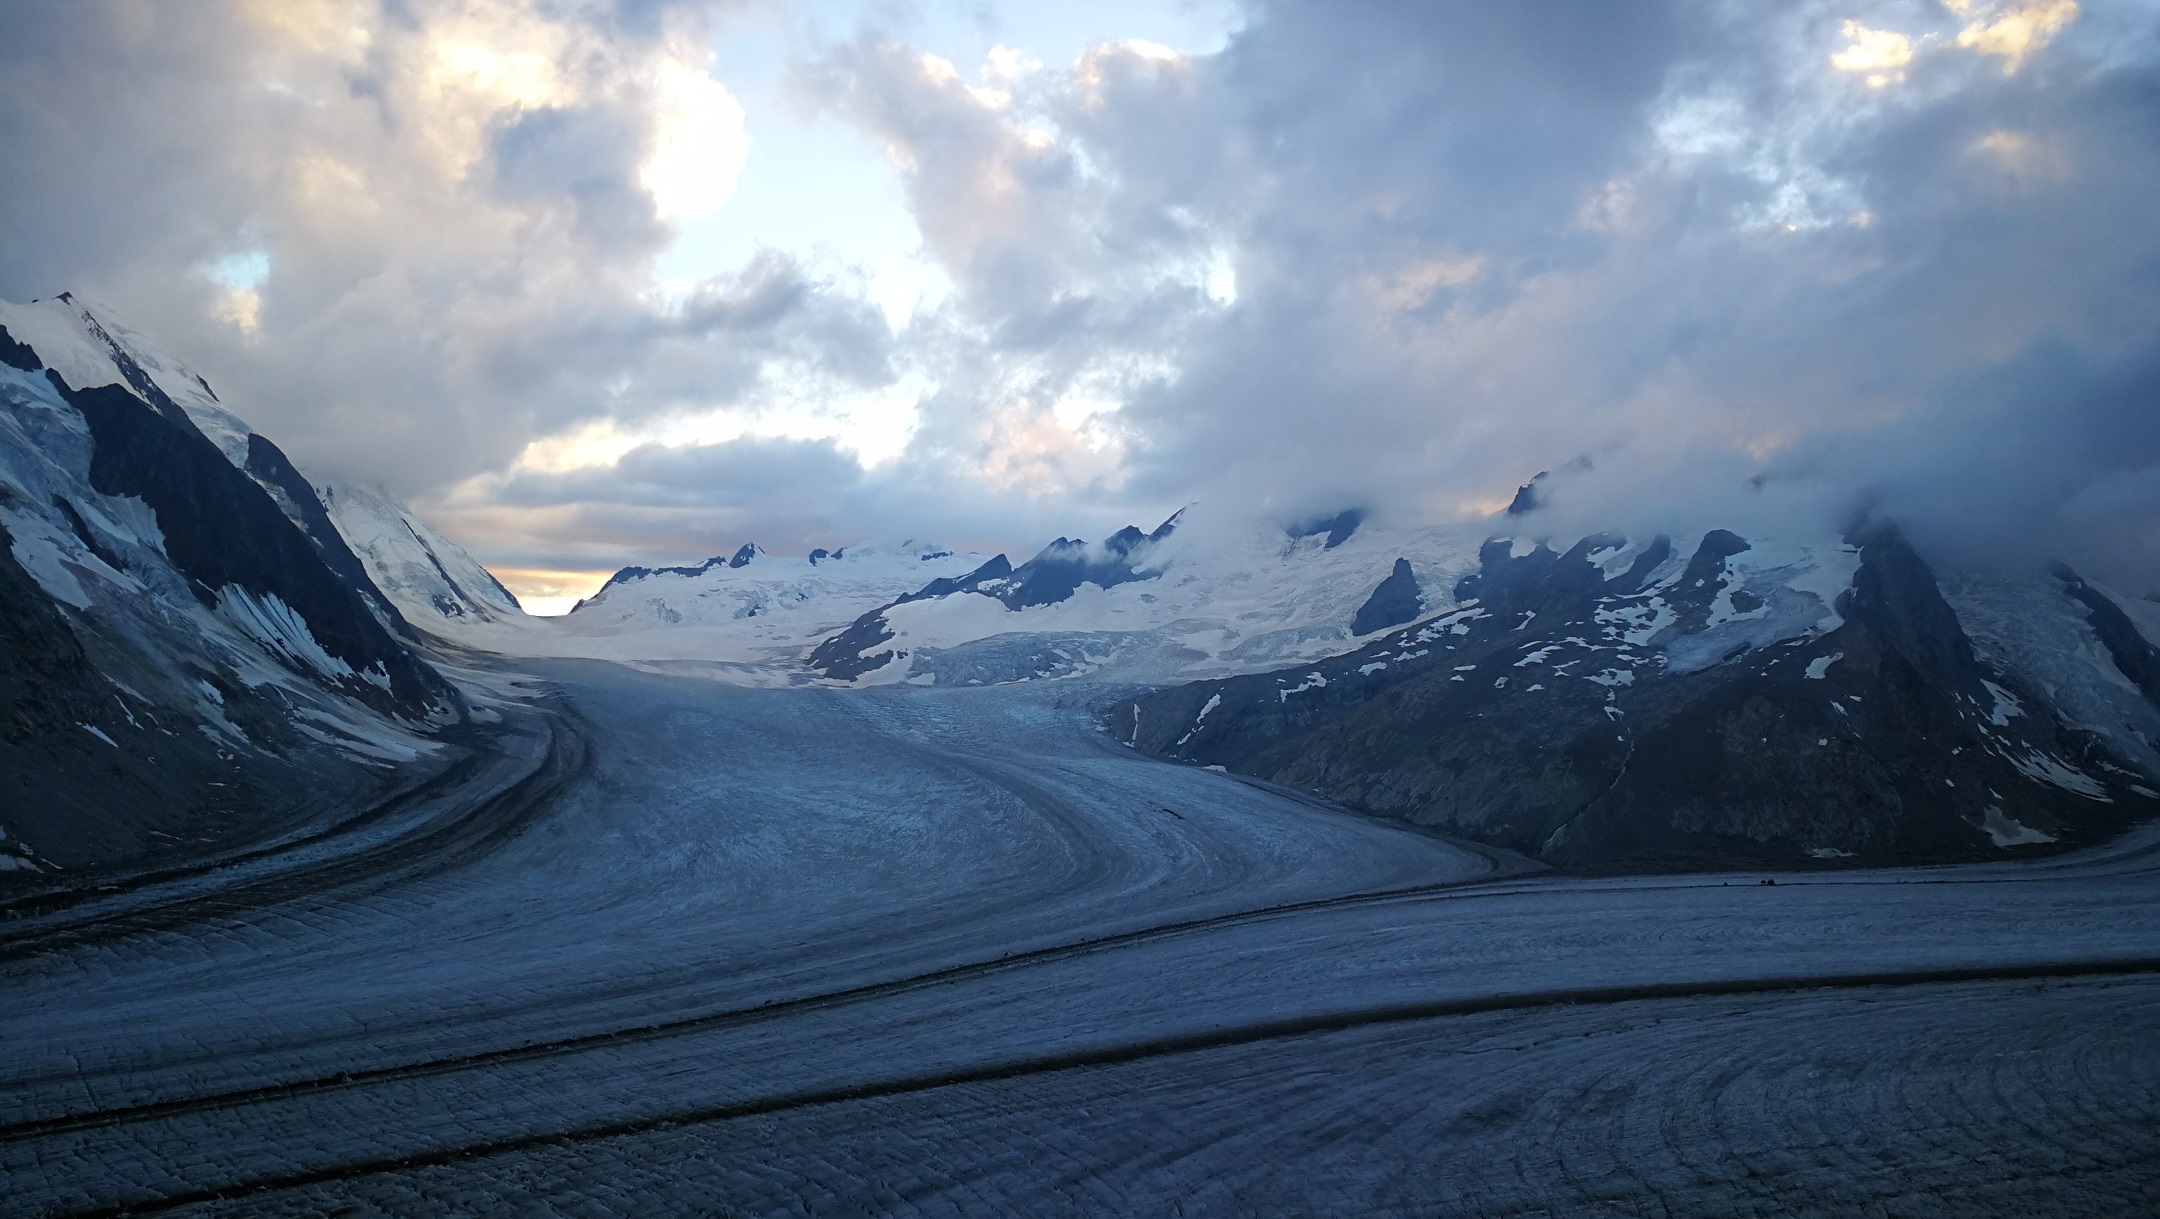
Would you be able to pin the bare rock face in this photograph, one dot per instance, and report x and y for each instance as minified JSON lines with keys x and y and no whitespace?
{"x":225,"y":532}
{"x":1655,"y":714}
{"x":1397,"y":600}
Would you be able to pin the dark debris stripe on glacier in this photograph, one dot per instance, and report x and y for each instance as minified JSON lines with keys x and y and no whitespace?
{"x":1294,"y":1031}
{"x":1207,"y":861}
{"x":1959,"y":1100}
{"x":767,"y":906}
{"x":502,"y":780}
{"x":767,"y":1010}
{"x":409,"y":1124}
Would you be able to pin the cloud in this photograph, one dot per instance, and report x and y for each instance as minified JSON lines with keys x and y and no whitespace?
{"x":1755,"y":260}
{"x":699,"y":143}
{"x":1469,"y":244}
{"x":775,"y":475}
{"x":2051,"y":454}
{"x":1881,"y":54}
{"x":455,"y":205}
{"x":2012,"y":32}
{"x":587,"y":156}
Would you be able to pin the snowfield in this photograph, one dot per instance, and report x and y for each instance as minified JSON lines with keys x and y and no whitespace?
{"x":759,"y":618}
{"x":907,"y":951}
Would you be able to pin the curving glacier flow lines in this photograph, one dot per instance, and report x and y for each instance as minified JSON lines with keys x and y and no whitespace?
{"x":721,"y":950}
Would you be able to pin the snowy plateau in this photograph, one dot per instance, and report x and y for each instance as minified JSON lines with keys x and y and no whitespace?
{"x":1327,"y":868}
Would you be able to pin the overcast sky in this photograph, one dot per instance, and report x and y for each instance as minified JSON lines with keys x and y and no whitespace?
{"x":592,"y":283}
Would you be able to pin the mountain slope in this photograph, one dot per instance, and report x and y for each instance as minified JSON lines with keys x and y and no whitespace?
{"x":1621,"y":705}
{"x":186,"y":668}
{"x":429,"y":578}
{"x":1052,"y":577}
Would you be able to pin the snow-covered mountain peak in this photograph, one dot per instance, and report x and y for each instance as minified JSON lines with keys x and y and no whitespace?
{"x":89,"y":347}
{"x":751,"y":612}
{"x":1205,"y":595}
{"x":1195,"y":595}
{"x":391,"y":558}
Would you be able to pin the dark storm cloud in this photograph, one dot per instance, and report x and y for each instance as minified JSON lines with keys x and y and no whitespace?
{"x":782,"y":476}
{"x":1473,"y":241}
{"x":125,"y":140}
{"x":2053,"y":454}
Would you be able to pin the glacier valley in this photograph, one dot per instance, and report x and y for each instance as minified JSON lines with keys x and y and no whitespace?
{"x":1333,"y":867}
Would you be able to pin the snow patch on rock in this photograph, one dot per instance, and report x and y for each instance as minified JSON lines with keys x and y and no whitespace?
{"x":2004,"y":832}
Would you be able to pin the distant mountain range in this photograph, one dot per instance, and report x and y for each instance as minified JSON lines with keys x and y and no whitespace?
{"x":196,"y":641}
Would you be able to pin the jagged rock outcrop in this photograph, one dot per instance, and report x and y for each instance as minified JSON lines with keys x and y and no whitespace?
{"x":1396,"y":600}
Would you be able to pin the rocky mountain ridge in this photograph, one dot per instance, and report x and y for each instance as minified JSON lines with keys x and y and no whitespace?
{"x":1620,"y":706}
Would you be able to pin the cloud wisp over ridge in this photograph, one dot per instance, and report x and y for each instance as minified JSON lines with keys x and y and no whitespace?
{"x":1752,"y":260}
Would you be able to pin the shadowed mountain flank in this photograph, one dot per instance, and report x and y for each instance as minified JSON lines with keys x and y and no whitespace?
{"x":1641,"y":716}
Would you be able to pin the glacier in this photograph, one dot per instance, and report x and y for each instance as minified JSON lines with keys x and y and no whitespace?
{"x":918,"y":951}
